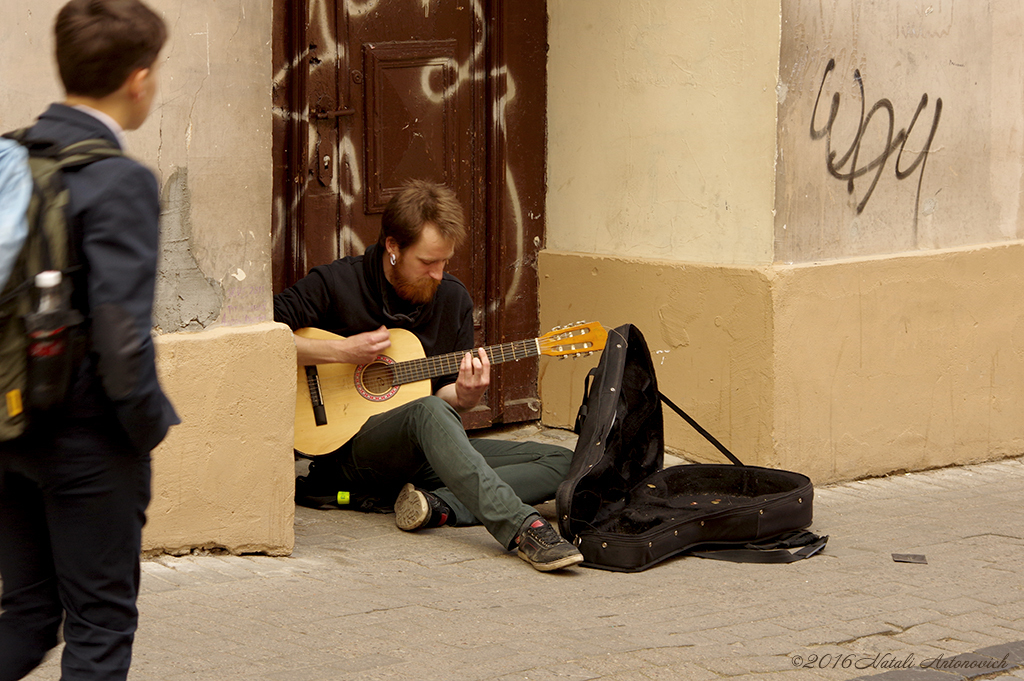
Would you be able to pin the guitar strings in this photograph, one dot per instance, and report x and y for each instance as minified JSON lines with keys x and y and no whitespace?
{"x":443,"y":365}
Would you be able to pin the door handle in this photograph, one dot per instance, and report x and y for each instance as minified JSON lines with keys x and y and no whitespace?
{"x":324,"y":115}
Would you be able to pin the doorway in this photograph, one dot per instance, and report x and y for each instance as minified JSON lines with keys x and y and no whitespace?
{"x":371,"y":93}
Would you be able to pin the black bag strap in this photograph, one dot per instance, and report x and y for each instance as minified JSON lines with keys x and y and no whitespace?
{"x":774,"y":550}
{"x":696,"y":426}
{"x":581,"y":414}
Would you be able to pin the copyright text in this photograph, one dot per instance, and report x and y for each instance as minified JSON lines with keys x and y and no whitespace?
{"x":894,"y":661}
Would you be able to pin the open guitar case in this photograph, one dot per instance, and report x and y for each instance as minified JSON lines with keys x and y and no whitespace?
{"x":626,"y":512}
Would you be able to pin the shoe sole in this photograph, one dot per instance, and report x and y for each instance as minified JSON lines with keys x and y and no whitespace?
{"x":568,"y":561}
{"x":411,"y":509}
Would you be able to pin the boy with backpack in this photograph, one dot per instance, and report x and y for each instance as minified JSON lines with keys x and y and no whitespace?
{"x":75,"y":485}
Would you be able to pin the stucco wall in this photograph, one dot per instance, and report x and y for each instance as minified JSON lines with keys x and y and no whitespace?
{"x":207,"y":139}
{"x":217,"y":481}
{"x":918,"y":104}
{"x":840,"y":370}
{"x":661,"y":128}
{"x":888,"y":364}
{"x":224,"y":477}
{"x":709,"y":330}
{"x":877,"y":331}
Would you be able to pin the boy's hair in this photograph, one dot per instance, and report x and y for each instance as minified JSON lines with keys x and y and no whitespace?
{"x":101,"y":42}
{"x":418,"y":203}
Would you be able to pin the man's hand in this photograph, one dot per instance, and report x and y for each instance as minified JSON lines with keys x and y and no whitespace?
{"x":358,"y":349}
{"x":469,"y":388}
{"x":364,"y":347}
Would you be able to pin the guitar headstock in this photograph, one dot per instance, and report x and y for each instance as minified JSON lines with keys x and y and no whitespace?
{"x":573,"y":340}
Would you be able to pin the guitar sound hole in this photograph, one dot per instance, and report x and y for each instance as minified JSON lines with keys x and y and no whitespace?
{"x":377,"y":378}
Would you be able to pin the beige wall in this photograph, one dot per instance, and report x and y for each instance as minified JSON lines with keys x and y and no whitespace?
{"x":899,"y":363}
{"x":841,"y":370}
{"x":709,"y":330}
{"x":842,"y":334}
{"x":224,"y":478}
{"x":960,"y":64}
{"x":221,"y":478}
{"x":207,"y":139}
{"x":661,"y":128}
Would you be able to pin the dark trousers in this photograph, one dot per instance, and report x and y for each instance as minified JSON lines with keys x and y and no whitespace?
{"x":488,"y":482}
{"x":72,"y":507}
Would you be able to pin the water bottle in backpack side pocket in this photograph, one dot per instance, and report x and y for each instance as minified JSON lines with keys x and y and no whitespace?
{"x":49,"y":352}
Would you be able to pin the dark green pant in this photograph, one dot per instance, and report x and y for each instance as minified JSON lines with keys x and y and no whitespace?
{"x":490,"y":482}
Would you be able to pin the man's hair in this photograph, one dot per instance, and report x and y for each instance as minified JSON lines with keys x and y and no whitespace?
{"x":418,"y":203}
{"x":101,"y":42}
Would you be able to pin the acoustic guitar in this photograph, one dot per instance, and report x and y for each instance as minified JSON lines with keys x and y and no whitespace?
{"x":333,"y":401}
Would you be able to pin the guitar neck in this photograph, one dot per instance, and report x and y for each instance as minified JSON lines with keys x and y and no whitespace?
{"x":445,"y":365}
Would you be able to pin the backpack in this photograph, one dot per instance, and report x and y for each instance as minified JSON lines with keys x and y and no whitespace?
{"x":36,"y":350}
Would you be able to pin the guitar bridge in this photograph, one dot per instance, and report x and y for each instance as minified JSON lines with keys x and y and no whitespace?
{"x":316,"y":396}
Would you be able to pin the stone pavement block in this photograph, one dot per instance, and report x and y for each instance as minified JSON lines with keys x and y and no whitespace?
{"x":748,"y":631}
{"x":564,"y":672}
{"x":1013,"y":652}
{"x":188,"y":571}
{"x":167,"y":574}
{"x":978,"y":621}
{"x":924,"y":633}
{"x":610,"y":664}
{"x":911,"y":675}
{"x":805,"y":621}
{"x":976,"y":639}
{"x":958,"y":605}
{"x":338,"y":669}
{"x":909,"y":617}
{"x":154,"y":584}
{"x":793,"y":675}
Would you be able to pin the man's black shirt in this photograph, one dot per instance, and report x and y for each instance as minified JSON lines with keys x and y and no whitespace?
{"x":351,"y":296}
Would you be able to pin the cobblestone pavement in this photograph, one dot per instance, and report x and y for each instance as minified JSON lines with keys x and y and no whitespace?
{"x":360,"y":599}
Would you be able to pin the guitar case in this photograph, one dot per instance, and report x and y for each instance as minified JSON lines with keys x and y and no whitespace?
{"x":626,"y":512}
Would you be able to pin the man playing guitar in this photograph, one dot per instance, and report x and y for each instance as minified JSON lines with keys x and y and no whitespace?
{"x":420,"y":451}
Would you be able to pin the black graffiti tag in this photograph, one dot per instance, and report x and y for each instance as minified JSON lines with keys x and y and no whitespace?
{"x":849,"y":166}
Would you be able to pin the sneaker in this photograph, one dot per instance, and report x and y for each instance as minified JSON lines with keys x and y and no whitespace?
{"x":416,"y":508}
{"x":543,"y":548}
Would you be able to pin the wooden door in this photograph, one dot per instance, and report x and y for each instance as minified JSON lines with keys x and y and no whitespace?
{"x":371,"y":93}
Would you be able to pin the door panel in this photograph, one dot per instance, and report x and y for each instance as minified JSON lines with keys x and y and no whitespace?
{"x":411,"y":123}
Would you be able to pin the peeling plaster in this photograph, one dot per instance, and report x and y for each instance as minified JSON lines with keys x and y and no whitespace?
{"x":186,"y":299}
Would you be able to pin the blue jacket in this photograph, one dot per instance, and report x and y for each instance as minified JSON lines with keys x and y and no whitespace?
{"x":114,"y":210}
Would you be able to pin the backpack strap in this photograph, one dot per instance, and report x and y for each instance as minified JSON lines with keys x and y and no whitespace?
{"x":67,"y":157}
{"x":85,"y":152}
{"x":74,"y":155}
{"x":696,"y":426}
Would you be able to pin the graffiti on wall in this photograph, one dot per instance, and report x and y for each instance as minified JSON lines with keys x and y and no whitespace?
{"x":865,"y":157}
{"x":345,"y":171}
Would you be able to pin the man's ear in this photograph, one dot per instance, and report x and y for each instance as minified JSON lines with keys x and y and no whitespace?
{"x":136,"y":83}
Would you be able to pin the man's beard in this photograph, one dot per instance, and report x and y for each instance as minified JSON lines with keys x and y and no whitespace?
{"x":415,"y":291}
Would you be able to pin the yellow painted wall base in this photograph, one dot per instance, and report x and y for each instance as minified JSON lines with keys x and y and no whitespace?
{"x":224,"y":477}
{"x":838,"y":370}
